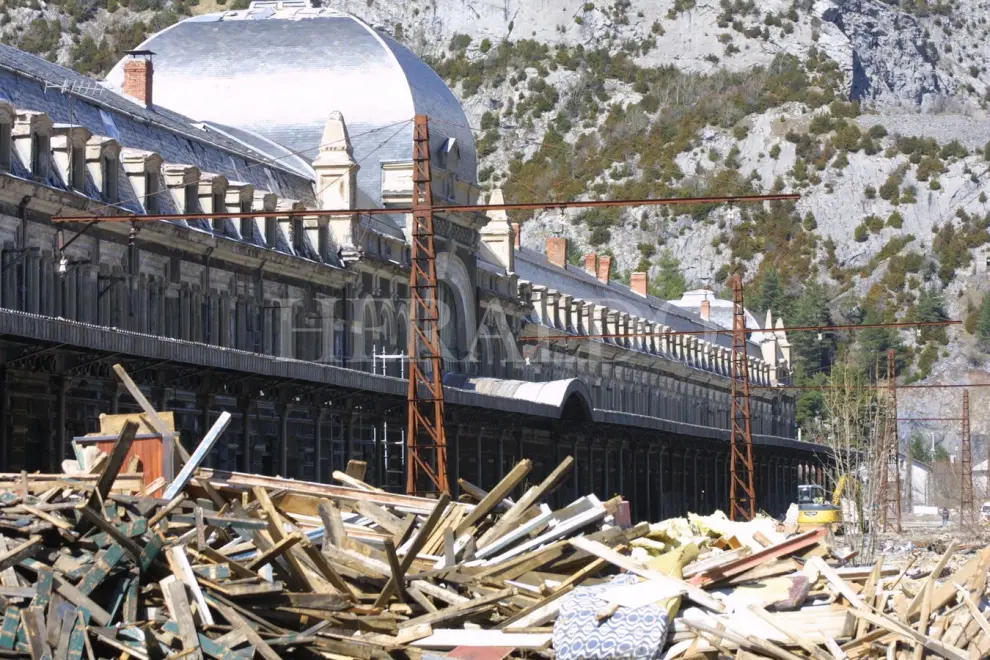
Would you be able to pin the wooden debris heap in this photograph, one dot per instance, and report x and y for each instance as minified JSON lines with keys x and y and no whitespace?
{"x":233,"y":566}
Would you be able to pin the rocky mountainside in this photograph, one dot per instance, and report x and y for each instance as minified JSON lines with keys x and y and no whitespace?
{"x":875,"y":112}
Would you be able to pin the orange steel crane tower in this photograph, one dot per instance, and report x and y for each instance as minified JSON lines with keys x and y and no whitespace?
{"x":967,"y":505}
{"x":742,"y":491}
{"x":426,"y":439}
{"x":890,"y":474}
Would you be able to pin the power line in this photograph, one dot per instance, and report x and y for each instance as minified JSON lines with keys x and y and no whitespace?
{"x":724,"y":331}
{"x":451,"y":208}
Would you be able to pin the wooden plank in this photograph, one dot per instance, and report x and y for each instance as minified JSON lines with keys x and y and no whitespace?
{"x":926,"y":614}
{"x":197,"y":457}
{"x":869,"y":594}
{"x":178,"y":604}
{"x":298,"y":574}
{"x":33,"y":620}
{"x":12,"y":557}
{"x":446,"y":638}
{"x":347,"y":479}
{"x":380,"y":516}
{"x":113,"y":465}
{"x":398,"y":576}
{"x":531,"y":497}
{"x":915,"y":605}
{"x":167,"y":509}
{"x":896,"y":627}
{"x":333,"y":524}
{"x":422,"y":534}
{"x":68,"y":624}
{"x":495,"y":495}
{"x":326,"y":569}
{"x":100,"y":568}
{"x":840,"y":585}
{"x":81,"y":601}
{"x":236,"y":620}
{"x":782,"y":549}
{"x":268,"y":556}
{"x":602,"y":551}
{"x":183,"y":571}
{"x":356,"y":469}
{"x":461,"y":609}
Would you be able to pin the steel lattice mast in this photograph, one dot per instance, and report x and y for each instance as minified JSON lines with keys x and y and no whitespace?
{"x":426,"y":441}
{"x":967,"y":505}
{"x":890,"y":474}
{"x":742,"y":492}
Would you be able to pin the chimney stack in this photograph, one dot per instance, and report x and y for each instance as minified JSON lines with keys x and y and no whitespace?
{"x":706,"y":310}
{"x":591,"y":264}
{"x":604,"y":269}
{"x":557,"y":251}
{"x":640,"y":283}
{"x":517,"y":234}
{"x":139,"y":75}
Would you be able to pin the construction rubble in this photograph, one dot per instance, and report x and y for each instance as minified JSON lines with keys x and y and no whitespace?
{"x":98,"y":562}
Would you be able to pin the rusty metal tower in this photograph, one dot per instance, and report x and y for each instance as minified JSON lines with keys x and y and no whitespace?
{"x":967,"y":505}
{"x":426,"y":441}
{"x":742,"y":492}
{"x":890,"y":474}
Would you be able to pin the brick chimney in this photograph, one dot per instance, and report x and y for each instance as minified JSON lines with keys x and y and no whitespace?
{"x":706,"y":310}
{"x":139,"y":75}
{"x":639,"y":282}
{"x":604,"y":269}
{"x":591,"y":264}
{"x":517,"y":233}
{"x":557,"y":251}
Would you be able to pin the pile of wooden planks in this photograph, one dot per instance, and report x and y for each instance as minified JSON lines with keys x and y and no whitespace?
{"x":805,"y":606}
{"x":231,"y":565}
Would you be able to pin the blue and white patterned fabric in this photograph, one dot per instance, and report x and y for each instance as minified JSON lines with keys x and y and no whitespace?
{"x":627,"y":634}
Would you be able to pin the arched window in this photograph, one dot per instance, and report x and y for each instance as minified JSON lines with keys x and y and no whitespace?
{"x":450,"y":332}
{"x":387,"y":335}
{"x":369,"y":328}
{"x":401,"y":334}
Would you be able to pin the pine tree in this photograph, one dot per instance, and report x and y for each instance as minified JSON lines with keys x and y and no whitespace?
{"x":874,"y":344}
{"x":983,"y":326}
{"x":811,"y":351}
{"x":670,"y":283}
{"x":920,"y":450}
{"x":769,"y":294}
{"x":931,"y":307}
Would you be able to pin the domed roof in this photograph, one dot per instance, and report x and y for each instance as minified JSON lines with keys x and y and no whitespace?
{"x":280,"y":72}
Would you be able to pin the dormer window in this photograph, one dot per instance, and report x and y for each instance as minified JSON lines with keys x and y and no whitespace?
{"x":247,"y":224}
{"x":39,"y":156}
{"x":103,"y":164}
{"x":219,"y":206}
{"x":69,"y":145}
{"x":31,"y":136}
{"x":191,"y":198}
{"x":144,"y":173}
{"x":109,"y":170}
{"x":212,"y":198}
{"x":77,"y":170}
{"x":151,"y":190}
{"x":5,"y":146}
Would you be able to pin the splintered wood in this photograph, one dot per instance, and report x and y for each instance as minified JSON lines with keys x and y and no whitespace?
{"x":235,"y":566}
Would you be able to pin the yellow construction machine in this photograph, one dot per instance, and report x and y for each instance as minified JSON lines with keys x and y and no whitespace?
{"x":815,"y":511}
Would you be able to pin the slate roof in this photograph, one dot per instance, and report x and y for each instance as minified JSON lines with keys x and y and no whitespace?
{"x":28,"y":82}
{"x":280,"y":73}
{"x":534,"y":267}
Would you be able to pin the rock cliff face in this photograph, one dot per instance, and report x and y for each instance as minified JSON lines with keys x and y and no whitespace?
{"x":893,"y":62}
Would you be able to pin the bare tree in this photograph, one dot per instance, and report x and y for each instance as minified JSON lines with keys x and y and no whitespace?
{"x":852,"y":427}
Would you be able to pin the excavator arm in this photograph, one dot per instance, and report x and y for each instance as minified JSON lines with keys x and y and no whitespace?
{"x":839,"y":489}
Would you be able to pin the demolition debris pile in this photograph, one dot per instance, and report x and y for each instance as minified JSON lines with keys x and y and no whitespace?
{"x":96,"y":563}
